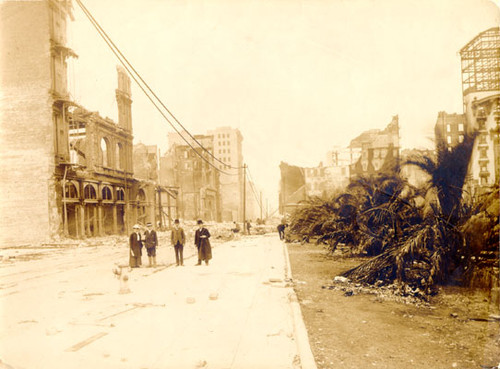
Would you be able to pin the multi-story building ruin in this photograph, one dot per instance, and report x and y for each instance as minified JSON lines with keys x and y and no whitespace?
{"x":481,"y":96}
{"x":227,"y":151}
{"x":190,"y":170}
{"x":65,"y":171}
{"x":450,"y":129}
{"x":292,"y":187}
{"x":379,"y":150}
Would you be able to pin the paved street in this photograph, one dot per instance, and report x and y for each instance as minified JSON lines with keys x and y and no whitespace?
{"x":63,"y":309}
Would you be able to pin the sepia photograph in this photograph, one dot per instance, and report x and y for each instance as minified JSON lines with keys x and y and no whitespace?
{"x":249,"y":184}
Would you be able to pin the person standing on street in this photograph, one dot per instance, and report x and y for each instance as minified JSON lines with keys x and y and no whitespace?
{"x":248,"y":226}
{"x":135,"y":242}
{"x":151,"y":241}
{"x":281,"y":231}
{"x":178,"y":239}
{"x":202,"y":242}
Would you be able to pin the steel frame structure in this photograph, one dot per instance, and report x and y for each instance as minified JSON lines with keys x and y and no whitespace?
{"x":481,"y":62}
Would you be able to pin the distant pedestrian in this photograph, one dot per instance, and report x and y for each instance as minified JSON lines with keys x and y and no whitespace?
{"x":202,"y":242}
{"x":248,"y":226}
{"x":135,"y":242}
{"x":236,"y":228}
{"x":178,"y":238}
{"x":151,"y":242}
{"x":281,"y":231}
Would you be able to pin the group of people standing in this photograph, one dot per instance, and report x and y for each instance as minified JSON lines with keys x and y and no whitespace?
{"x":149,"y":240}
{"x":236,"y":227}
{"x":137,"y":241}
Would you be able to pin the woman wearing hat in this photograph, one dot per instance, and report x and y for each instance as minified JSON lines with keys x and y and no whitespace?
{"x":202,"y":242}
{"x":135,"y":242}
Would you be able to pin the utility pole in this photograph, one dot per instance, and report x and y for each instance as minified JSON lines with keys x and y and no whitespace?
{"x":160,"y":210}
{"x":158,"y":170}
{"x":244,"y":198}
{"x":260,"y":205}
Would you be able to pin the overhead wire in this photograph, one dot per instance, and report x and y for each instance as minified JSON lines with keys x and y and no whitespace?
{"x":128,"y":66}
{"x":253,"y":188}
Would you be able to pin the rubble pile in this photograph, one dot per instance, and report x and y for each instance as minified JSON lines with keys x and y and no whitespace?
{"x":401,"y":293}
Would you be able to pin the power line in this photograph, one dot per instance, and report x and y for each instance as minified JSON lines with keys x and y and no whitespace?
{"x":253,"y":188}
{"x":126,"y":64}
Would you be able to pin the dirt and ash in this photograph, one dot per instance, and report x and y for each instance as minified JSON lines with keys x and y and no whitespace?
{"x":353,"y":326}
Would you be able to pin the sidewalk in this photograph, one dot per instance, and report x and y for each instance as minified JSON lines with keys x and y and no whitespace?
{"x":234,"y":313}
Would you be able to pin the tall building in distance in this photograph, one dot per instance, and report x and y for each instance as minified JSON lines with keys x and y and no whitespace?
{"x":450,"y":129}
{"x":481,"y":96}
{"x":228,"y":149}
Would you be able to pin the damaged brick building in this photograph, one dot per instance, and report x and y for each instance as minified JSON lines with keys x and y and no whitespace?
{"x":379,"y":150}
{"x":65,"y":170}
{"x":195,"y":179}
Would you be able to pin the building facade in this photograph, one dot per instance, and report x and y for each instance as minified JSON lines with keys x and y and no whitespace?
{"x":450,"y":129}
{"x":195,"y":178}
{"x":481,"y":96}
{"x":34,"y":101}
{"x":65,"y":170}
{"x":379,"y":150}
{"x":228,"y":149}
{"x":292,"y":187}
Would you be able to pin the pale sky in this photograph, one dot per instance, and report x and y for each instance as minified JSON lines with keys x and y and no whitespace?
{"x":295,"y":77}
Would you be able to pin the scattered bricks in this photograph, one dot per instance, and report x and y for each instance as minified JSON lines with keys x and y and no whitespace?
{"x":275,"y":280}
{"x":190,"y":300}
{"x":213,"y":296}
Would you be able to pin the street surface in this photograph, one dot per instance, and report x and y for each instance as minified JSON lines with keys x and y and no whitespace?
{"x":61,"y":308}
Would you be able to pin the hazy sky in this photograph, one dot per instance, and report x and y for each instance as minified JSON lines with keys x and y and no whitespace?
{"x":295,"y":77}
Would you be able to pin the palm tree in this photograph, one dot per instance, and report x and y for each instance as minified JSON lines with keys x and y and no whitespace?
{"x":431,"y":250}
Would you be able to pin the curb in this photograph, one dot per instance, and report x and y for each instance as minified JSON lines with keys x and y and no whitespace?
{"x":304,"y":348}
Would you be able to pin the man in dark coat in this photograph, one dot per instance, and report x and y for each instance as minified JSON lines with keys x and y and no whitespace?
{"x":135,"y":242}
{"x":202,"y":242}
{"x":151,"y":241}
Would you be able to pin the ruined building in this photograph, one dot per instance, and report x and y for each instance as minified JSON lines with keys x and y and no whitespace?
{"x":379,"y":150}
{"x":450,"y":129}
{"x":227,"y":147}
{"x":371,"y":152}
{"x":65,"y":170}
{"x":100,"y":193}
{"x":292,"y":187}
{"x":194,"y":179}
{"x":481,"y":97}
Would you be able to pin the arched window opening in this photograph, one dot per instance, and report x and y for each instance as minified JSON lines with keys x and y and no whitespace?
{"x":119,"y":156}
{"x":105,"y":152}
{"x":89,"y":192}
{"x":141,"y":196}
{"x":106,"y":193}
{"x":120,"y":194}
{"x":70,"y":191}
